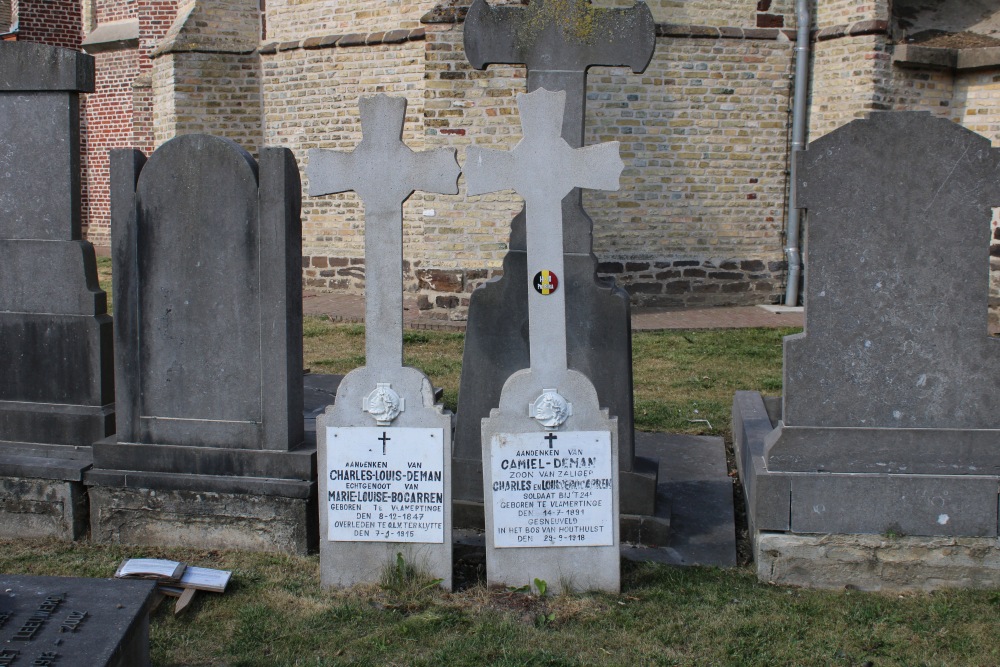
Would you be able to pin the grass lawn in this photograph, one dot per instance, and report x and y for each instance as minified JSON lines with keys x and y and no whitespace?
{"x":274,"y":612}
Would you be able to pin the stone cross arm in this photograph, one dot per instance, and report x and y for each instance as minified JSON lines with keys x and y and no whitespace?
{"x":543,"y":166}
{"x":382,"y":169}
{"x":559,"y":35}
{"x":384,"y":172}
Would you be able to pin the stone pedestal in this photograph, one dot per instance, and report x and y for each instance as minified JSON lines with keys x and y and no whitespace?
{"x":56,"y":374}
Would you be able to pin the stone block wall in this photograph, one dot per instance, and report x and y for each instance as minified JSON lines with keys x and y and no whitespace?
{"x":209,"y":93}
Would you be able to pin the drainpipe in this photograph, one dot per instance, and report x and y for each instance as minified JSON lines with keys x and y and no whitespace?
{"x":799,"y":110}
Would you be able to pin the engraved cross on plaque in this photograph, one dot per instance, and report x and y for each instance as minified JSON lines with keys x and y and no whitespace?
{"x":543,"y":168}
{"x":384,"y":172}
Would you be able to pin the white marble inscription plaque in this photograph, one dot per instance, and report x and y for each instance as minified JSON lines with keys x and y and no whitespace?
{"x":385,"y":484}
{"x":552,"y":489}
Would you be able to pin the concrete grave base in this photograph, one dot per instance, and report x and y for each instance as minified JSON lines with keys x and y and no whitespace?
{"x":888,"y":531}
{"x":876,"y":562}
{"x":42,"y":492}
{"x":32,"y":508}
{"x":205,"y":519}
{"x":344,"y":564}
{"x":565,"y":569}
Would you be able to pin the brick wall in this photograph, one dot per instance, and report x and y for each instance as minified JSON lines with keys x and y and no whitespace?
{"x":54,"y":22}
{"x":210,"y":93}
{"x":310,"y":100}
{"x":295,"y":20}
{"x":5,"y":15}
{"x":109,"y":118}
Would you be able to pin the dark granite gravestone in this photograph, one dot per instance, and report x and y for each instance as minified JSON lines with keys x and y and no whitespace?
{"x":557,"y":47}
{"x":73,"y":622}
{"x":891,"y":409}
{"x":208,"y":344}
{"x":56,"y":377}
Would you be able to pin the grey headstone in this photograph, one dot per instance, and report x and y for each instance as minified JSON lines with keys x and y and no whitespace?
{"x":384,"y":172}
{"x":74,"y":622}
{"x":889,"y":419}
{"x":598,"y":331}
{"x":208,"y":338}
{"x":543,"y":168}
{"x":56,"y":375}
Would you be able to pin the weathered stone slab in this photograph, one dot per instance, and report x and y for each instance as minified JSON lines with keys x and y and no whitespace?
{"x":898,"y":279}
{"x":557,"y":46}
{"x":878,"y":563}
{"x":56,"y":373}
{"x":207,"y":255}
{"x":889,"y":418}
{"x":380,"y":501}
{"x":74,"y":622}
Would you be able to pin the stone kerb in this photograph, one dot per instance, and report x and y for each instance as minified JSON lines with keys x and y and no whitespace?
{"x":206,"y":253}
{"x":888,"y":421}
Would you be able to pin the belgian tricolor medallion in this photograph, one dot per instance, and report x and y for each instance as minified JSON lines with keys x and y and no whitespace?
{"x":545,"y":282}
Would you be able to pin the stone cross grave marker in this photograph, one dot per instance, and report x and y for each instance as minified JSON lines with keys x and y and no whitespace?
{"x":558,"y":42}
{"x":549,"y":452}
{"x":384,"y":446}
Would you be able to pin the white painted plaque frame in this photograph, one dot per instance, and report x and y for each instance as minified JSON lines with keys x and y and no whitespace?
{"x":388,"y":490}
{"x":552,"y":489}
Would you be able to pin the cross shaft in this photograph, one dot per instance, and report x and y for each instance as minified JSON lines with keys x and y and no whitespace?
{"x":384,"y":172}
{"x":543,"y":168}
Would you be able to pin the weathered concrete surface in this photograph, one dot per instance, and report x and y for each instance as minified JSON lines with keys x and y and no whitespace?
{"x":202,"y":519}
{"x":877,"y":563}
{"x":32,"y":508}
{"x":563,"y":568}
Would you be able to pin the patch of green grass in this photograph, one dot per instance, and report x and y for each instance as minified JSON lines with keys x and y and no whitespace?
{"x":275,"y":613}
{"x":684,"y":380}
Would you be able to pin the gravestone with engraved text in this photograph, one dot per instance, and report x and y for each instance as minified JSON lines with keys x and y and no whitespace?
{"x":384,"y":446}
{"x":74,"y":622}
{"x":550,"y":452}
